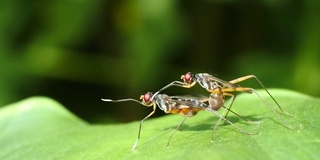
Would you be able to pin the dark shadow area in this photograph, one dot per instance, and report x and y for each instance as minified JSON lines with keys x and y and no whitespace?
{"x":210,"y":122}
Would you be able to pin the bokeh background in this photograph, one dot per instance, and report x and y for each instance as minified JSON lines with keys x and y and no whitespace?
{"x":78,"y":51}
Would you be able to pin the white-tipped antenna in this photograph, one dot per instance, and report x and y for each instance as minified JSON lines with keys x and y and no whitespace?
{"x":107,"y":100}
{"x":122,"y":100}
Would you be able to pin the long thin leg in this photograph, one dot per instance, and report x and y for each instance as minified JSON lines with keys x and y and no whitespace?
{"x":269,"y":106}
{"x":140,"y":125}
{"x":248,"y":121}
{"x":253,"y":76}
{"x":233,"y":97}
{"x":284,"y":123}
{"x":230,"y":103}
{"x":229,"y":110}
{"x":176,"y":83}
{"x":226,"y":110}
{"x":176,"y":130}
{"x":221,"y":117}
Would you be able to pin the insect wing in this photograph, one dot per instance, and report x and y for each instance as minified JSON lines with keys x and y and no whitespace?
{"x":189,"y":97}
{"x":188,"y":102}
{"x":186,"y":107}
{"x":223,"y":82}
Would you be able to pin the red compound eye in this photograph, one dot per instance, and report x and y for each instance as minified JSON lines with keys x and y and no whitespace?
{"x":146,"y":97}
{"x":187,"y":77}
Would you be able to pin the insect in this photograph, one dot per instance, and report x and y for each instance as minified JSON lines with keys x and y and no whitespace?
{"x":220,"y":88}
{"x":186,"y":107}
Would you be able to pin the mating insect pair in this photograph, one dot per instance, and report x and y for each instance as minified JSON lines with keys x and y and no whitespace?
{"x":189,"y":107}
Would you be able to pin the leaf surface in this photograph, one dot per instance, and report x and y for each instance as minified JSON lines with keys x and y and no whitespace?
{"x":40,"y":128}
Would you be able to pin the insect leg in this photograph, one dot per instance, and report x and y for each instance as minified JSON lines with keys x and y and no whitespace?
{"x":174,"y":83}
{"x":240,"y":89}
{"x":248,"y":121}
{"x":221,"y":117}
{"x":229,"y":110}
{"x":140,"y":125}
{"x":269,"y":106}
{"x":253,"y":76}
{"x":176,"y":130}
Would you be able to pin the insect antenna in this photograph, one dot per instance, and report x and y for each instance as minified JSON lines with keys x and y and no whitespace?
{"x":122,"y":100}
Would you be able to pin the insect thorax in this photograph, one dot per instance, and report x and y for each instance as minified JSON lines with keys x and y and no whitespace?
{"x":205,"y":82}
{"x":163,"y":102}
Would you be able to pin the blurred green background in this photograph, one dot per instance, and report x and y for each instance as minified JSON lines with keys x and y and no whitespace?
{"x":78,"y":51}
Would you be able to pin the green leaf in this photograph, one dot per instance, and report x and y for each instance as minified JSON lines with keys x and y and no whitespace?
{"x":40,"y":128}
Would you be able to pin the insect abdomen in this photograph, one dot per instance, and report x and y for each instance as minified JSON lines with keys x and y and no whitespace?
{"x":187,"y":112}
{"x":216,"y":101}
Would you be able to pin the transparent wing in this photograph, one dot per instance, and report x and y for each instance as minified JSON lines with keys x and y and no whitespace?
{"x":222,"y":82}
{"x":189,"y":102}
{"x":195,"y":97}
